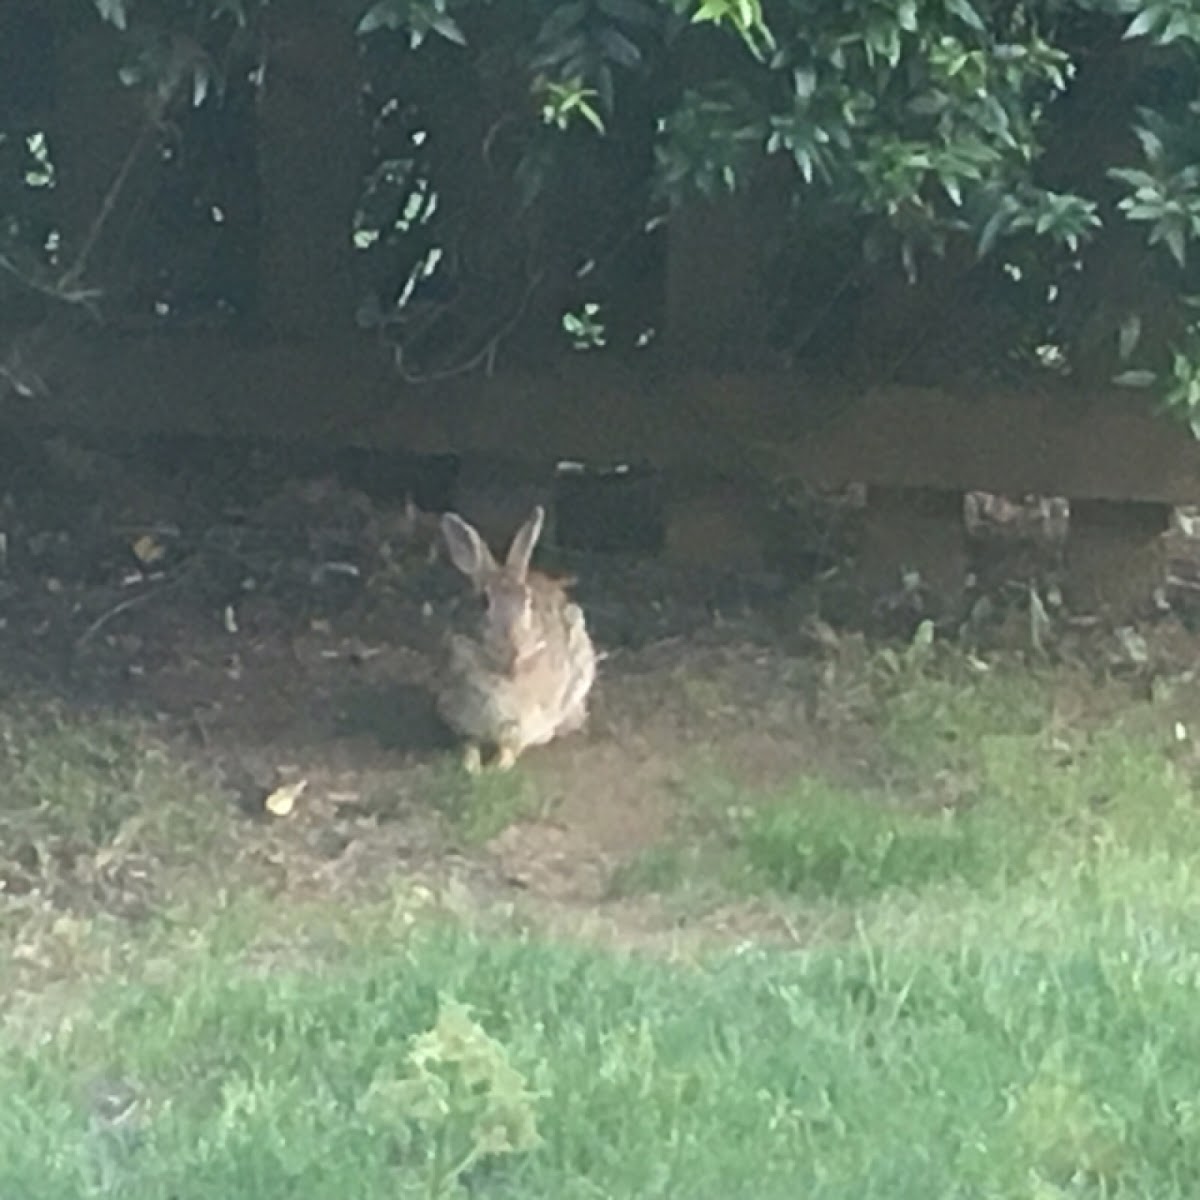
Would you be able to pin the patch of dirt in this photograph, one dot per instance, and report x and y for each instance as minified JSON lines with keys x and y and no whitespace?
{"x":283,"y":630}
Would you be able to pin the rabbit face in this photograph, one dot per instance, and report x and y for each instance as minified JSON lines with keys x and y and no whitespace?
{"x":508,"y":625}
{"x":504,"y":591}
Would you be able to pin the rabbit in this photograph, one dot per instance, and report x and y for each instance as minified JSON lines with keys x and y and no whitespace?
{"x":523,"y":675}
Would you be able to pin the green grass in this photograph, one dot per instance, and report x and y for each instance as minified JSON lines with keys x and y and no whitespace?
{"x":477,"y":807}
{"x":1043,"y":1048}
{"x":1002,"y":998}
{"x":75,"y":784}
{"x":98,"y":812}
{"x":969,"y":783}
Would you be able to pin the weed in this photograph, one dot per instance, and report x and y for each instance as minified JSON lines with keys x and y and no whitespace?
{"x":480,"y":806}
{"x":96,"y":791}
{"x":817,"y":840}
{"x":462,"y":1102}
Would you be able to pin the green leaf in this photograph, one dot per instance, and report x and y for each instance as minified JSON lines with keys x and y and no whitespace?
{"x":618,"y":48}
{"x":386,"y":14}
{"x":930,"y":104}
{"x":1128,"y":336}
{"x":1133,"y":177}
{"x":1173,"y":235}
{"x":1143,"y":23}
{"x":561,"y":21}
{"x":996,"y":224}
{"x":1135,"y":379}
{"x":633,"y":12}
{"x":200,"y":82}
{"x":1181,"y":25}
{"x":965,"y":13}
{"x":530,"y":178}
{"x":804,"y":81}
{"x":114,"y":12}
{"x":750,"y":14}
{"x":605,"y":89}
{"x":1141,"y":212}
{"x":710,"y":11}
{"x":591,"y":116}
{"x":448,"y":27}
{"x":559,"y":52}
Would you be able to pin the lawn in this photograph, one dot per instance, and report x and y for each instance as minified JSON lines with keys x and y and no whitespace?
{"x":990,"y":986}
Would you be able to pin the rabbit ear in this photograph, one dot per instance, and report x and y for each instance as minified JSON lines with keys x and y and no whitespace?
{"x":468,"y":551}
{"x":524,"y":540}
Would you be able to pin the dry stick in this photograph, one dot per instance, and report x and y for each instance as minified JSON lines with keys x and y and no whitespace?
{"x":123,"y":606}
{"x":57,"y":290}
{"x":109,"y":203}
{"x":485,"y":355}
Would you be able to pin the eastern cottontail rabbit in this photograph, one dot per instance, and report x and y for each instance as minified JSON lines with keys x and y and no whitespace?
{"x":522,"y":675}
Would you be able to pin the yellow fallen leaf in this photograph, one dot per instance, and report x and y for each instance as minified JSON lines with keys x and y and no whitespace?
{"x":148,"y":549}
{"x":283,"y":799}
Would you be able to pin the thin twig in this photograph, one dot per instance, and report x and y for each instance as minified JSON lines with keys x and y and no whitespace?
{"x":109,"y":203}
{"x":486,"y":354}
{"x":57,"y":290}
{"x":117,"y":609}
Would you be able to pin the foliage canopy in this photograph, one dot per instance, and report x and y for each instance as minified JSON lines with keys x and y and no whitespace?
{"x":1046,"y":138}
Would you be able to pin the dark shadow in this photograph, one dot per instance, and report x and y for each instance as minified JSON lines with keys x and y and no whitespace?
{"x":399,"y":717}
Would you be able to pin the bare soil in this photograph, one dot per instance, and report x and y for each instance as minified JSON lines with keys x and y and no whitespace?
{"x":278,"y":629}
